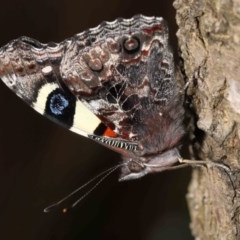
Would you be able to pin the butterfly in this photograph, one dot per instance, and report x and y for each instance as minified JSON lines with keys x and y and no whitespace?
{"x":114,"y":84}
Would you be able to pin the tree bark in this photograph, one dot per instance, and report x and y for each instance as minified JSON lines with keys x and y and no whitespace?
{"x":209,"y":41}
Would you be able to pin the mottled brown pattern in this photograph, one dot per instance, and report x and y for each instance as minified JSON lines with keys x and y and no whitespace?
{"x":123,"y":71}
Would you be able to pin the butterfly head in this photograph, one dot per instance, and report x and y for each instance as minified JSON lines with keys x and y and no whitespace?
{"x":138,"y":167}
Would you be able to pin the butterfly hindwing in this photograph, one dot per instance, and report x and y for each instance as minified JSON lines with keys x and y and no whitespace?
{"x":117,"y":69}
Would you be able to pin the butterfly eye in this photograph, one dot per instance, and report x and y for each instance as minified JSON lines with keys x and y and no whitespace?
{"x":135,"y":166}
{"x":131,"y":45}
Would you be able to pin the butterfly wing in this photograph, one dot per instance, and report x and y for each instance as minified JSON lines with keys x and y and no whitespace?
{"x":123,"y":71}
{"x":32,"y":70}
{"x":114,"y":83}
{"x":111,"y":83}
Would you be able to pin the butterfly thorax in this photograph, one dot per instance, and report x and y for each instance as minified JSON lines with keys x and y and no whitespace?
{"x":159,"y":130}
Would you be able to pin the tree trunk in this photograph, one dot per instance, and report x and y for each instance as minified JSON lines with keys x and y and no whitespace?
{"x":209,"y":40}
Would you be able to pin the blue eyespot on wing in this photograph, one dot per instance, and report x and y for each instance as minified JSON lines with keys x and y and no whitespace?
{"x":31,"y":70}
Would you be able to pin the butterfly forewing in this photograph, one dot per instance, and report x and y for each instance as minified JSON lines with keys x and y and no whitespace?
{"x":32,"y":71}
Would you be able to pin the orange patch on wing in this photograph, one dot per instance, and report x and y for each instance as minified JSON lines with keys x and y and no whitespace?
{"x":110,"y":133}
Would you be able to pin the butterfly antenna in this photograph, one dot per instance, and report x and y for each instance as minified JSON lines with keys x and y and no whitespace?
{"x":103,"y":175}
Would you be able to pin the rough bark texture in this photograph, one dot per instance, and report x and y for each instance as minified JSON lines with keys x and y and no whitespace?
{"x":209,"y":40}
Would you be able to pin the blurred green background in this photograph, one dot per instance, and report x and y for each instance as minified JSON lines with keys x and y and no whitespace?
{"x":41,"y":162}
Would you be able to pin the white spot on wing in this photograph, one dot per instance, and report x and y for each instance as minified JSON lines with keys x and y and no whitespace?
{"x":84,"y":120}
{"x":47,"y":70}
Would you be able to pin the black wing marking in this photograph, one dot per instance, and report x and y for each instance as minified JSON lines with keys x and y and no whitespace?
{"x":32,"y":70}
